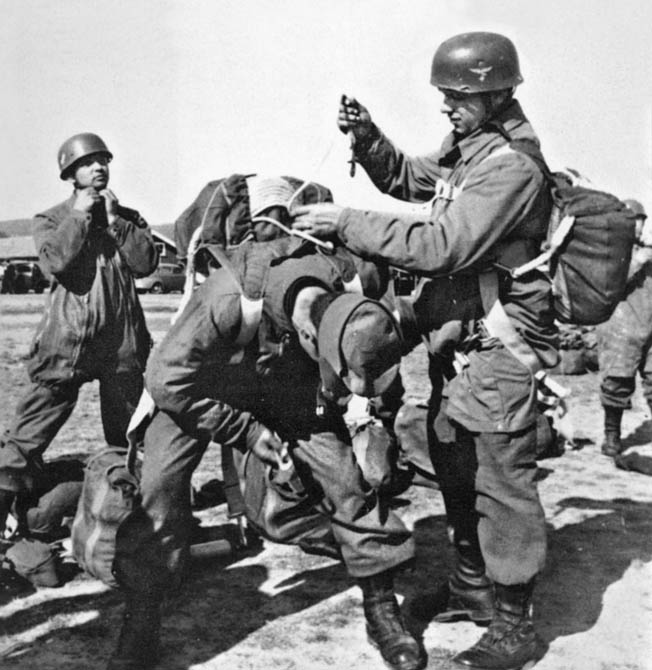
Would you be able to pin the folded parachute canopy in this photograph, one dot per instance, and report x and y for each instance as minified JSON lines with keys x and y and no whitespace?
{"x":225,"y":208}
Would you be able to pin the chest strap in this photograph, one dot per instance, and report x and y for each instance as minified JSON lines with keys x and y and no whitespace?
{"x":446,"y":191}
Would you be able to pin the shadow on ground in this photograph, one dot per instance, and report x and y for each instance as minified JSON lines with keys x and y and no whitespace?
{"x":221,"y":604}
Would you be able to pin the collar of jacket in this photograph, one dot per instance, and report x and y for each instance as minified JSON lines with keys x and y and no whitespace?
{"x":513,"y":121}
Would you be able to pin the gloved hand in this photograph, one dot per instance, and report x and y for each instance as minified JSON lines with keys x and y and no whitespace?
{"x":353,"y":116}
{"x":319,"y":219}
{"x":267,"y":446}
{"x":86,"y":199}
{"x":111,"y":204}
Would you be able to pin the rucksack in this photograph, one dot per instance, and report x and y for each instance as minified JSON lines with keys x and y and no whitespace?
{"x":588,"y":249}
{"x":109,"y":495}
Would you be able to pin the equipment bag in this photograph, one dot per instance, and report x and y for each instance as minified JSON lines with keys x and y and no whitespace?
{"x":277,"y":504}
{"x":589,"y":246}
{"x":109,"y":494}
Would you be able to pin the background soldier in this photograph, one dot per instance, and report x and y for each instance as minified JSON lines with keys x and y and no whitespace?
{"x":93,"y":327}
{"x":491,"y":204}
{"x":625,"y":340}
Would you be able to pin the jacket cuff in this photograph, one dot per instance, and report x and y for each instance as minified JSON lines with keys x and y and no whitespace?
{"x":348,"y":216}
{"x":254,"y":431}
{"x":363,"y":146}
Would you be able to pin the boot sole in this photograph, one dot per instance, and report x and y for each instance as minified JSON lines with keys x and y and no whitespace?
{"x":527,"y":666}
{"x":422,"y":662}
{"x":451,"y":616}
{"x":540,"y":652}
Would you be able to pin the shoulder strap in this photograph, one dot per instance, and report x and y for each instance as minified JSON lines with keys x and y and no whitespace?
{"x":140,"y":419}
{"x":251,"y":309}
{"x":499,"y":325}
{"x":531,"y":148}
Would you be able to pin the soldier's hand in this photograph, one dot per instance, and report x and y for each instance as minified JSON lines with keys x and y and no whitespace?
{"x":111,"y":204}
{"x":267,"y":446}
{"x":85,"y":199}
{"x":353,"y":116}
{"x":319,"y":219}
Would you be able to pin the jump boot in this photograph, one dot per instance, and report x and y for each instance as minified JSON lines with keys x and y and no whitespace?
{"x":612,"y":445}
{"x":138,"y":643}
{"x":6,"y":500}
{"x":468,"y":595}
{"x":510,"y":642}
{"x":385,"y":628}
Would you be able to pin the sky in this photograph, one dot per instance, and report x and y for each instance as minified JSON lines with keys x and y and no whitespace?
{"x":187,"y":91}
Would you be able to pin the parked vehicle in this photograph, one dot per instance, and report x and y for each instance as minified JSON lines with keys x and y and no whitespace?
{"x":23,"y":277}
{"x":167,"y":277}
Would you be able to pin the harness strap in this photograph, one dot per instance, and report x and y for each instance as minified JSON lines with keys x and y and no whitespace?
{"x":140,"y":419}
{"x":251,"y":309}
{"x":500,"y":326}
{"x":231,"y":484}
{"x":446,"y":191}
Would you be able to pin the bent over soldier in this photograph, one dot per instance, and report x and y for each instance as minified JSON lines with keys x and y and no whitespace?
{"x":313,"y":345}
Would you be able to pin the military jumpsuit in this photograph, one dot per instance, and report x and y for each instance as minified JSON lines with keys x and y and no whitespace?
{"x":482,"y":418}
{"x":206,"y":386}
{"x":93,"y":328}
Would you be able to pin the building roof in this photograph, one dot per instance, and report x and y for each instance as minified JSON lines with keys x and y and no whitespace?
{"x":23,"y":246}
{"x":17,"y":247}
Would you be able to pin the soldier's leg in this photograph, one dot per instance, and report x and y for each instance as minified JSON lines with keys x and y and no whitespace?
{"x":372,"y":537}
{"x":373,"y":540}
{"x":615,"y":396}
{"x":152,"y":545}
{"x":469,"y":593}
{"x":119,"y":395}
{"x":619,"y":355}
{"x":39,"y":417}
{"x":645,"y":371}
{"x":512,"y":536}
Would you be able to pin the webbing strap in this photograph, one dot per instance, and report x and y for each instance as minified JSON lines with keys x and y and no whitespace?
{"x":355,"y":285}
{"x":499,"y":325}
{"x":446,"y":191}
{"x":140,"y":419}
{"x":231,"y":484}
{"x":556,"y":240}
{"x":251,"y":310}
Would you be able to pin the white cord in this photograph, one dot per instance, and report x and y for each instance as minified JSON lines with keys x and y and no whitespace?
{"x":291,"y":231}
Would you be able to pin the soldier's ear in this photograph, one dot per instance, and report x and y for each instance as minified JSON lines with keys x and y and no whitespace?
{"x":307,"y":338}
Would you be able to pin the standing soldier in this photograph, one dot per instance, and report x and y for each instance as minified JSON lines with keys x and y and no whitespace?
{"x":625,"y":340}
{"x":93,"y":327}
{"x":255,"y":384}
{"x":491,"y":209}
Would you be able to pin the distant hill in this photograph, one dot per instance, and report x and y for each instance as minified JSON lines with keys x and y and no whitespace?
{"x":16,"y":228}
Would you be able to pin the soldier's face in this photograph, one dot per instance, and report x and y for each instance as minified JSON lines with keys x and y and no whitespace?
{"x":466,"y":111}
{"x":92,"y":170}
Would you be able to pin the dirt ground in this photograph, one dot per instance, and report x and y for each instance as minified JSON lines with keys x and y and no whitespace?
{"x":279,"y":609}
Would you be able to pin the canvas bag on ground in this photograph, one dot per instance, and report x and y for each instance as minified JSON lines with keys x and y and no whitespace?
{"x":110,"y":493}
{"x":280,"y":509}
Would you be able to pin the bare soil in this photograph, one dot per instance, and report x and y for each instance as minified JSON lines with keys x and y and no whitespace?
{"x":279,"y":609}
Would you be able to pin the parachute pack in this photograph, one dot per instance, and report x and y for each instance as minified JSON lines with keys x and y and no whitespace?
{"x":224,"y":208}
{"x":589,"y":245}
